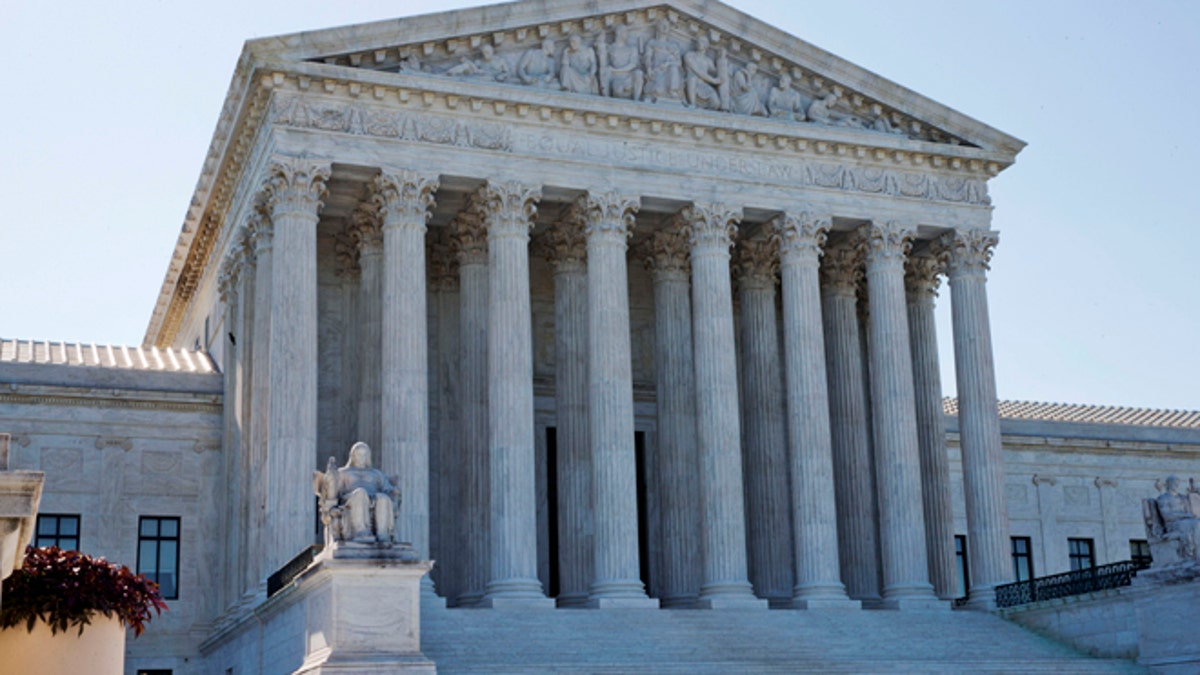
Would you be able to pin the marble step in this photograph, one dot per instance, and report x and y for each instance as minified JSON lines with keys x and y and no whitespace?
{"x":677,"y":641}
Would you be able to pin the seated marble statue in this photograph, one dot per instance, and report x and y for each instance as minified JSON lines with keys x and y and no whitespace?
{"x":1173,"y":525}
{"x":358,"y":502}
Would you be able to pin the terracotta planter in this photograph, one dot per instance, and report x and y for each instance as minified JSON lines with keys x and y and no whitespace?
{"x":99,"y":651}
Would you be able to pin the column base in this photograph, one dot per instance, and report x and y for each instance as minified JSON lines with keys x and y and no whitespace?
{"x":622,"y":603}
{"x":826,"y":603}
{"x":503,"y":602}
{"x":729,"y":595}
{"x":981,"y":598}
{"x":469,"y":600}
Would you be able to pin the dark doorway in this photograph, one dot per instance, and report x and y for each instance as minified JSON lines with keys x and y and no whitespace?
{"x":552,"y":507}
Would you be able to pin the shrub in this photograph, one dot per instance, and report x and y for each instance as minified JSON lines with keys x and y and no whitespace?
{"x":64,"y":589}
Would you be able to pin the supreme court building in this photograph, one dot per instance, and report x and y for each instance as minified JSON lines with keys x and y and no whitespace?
{"x":635,"y":297}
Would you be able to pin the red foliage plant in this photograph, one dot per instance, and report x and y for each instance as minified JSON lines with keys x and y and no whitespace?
{"x":64,"y":589}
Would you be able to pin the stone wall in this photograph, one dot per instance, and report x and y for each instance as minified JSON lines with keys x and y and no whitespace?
{"x":1103,"y":624}
{"x":116,"y":445}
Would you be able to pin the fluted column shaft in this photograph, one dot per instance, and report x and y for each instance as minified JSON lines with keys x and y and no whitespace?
{"x":404,"y":198}
{"x":968,"y":253}
{"x":764,"y":443}
{"x":366,"y":232}
{"x":260,"y":408}
{"x":675,"y":394}
{"x":817,"y":575}
{"x":893,"y":406}
{"x":294,"y":190}
{"x":921,"y":280}
{"x":608,"y":219}
{"x":565,"y":249}
{"x":510,"y":211}
{"x":476,"y":490}
{"x":718,"y":436}
{"x":229,"y":288}
{"x":858,"y":543}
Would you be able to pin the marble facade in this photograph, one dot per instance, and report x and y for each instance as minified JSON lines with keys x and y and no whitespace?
{"x":637,"y":305}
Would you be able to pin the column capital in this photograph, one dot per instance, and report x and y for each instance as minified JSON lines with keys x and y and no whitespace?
{"x":711,"y":225}
{"x":801,"y":235}
{"x":510,"y":207}
{"x":609,"y":213}
{"x":922,"y":276}
{"x":564,"y":245}
{"x":842,"y":268}
{"x":404,"y":197}
{"x":665,"y":252}
{"x":365,"y":228}
{"x":231,"y":268}
{"x":295,"y":185}
{"x":756,"y":263}
{"x":345,"y":247}
{"x":469,"y":232}
{"x":966,"y":252}
{"x":885,"y":243}
{"x":261,"y":235}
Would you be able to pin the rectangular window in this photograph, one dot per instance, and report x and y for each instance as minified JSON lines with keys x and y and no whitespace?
{"x":57,"y":529}
{"x":960,"y":554}
{"x":1139,"y":552}
{"x":1022,"y":557}
{"x":1083,"y":555}
{"x":158,"y":553}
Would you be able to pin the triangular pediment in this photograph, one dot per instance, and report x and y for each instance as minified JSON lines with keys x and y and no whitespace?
{"x":650,"y":52}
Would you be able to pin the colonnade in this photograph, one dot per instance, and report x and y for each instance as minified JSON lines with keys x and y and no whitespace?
{"x":827,"y":486}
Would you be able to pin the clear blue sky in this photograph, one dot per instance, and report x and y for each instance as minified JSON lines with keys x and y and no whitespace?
{"x":109,"y":108}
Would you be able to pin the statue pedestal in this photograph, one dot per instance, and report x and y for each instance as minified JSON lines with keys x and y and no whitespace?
{"x":362,"y":609}
{"x":1167,"y":602}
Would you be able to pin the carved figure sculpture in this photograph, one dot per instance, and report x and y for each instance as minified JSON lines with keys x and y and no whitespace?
{"x":821,"y":111}
{"x":536,"y":66}
{"x":664,"y":68}
{"x":784,"y":102}
{"x":621,"y":73}
{"x":706,"y":85}
{"x":1173,"y":525}
{"x":744,"y":94}
{"x":357,"y":502}
{"x":882,"y":124}
{"x":579,"y":69}
{"x":487,"y":66}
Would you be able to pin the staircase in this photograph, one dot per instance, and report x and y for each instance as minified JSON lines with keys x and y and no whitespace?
{"x":742,"y":641}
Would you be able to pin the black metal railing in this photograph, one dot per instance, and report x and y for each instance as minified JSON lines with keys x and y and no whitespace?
{"x":1064,"y":585}
{"x":291,"y":569}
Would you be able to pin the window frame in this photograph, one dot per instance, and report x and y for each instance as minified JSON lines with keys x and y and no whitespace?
{"x":57,"y":535}
{"x":1077,"y":557}
{"x":159,"y":539}
{"x":1026,"y":555}
{"x":1139,"y":552}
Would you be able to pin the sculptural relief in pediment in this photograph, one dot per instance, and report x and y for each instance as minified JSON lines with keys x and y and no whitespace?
{"x":656,"y":56}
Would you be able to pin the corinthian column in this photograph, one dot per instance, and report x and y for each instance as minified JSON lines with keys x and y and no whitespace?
{"x":967,"y":253}
{"x":260,"y":402}
{"x":818,"y":583}
{"x":764,"y":450}
{"x":666,"y":257}
{"x":404,"y":198}
{"x":608,"y":221}
{"x":718,"y":438}
{"x":364,"y":227}
{"x":565,"y":249}
{"x":447,"y":458}
{"x":294,"y":189}
{"x":921,"y":282}
{"x":850,"y":429}
{"x":510,"y":208}
{"x":893,"y":411}
{"x":476,"y":504}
